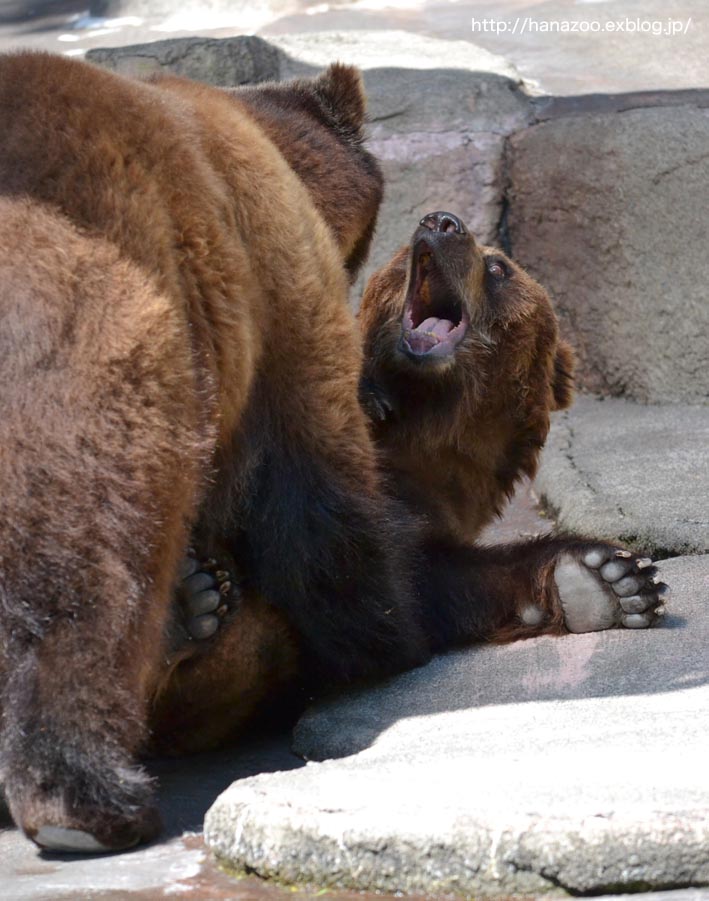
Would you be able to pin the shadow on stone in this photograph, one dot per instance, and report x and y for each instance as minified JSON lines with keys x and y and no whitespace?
{"x":189,"y":785}
{"x":612,"y":664}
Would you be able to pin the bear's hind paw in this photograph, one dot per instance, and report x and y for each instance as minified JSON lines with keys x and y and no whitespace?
{"x":206,"y":596}
{"x":607,"y":587}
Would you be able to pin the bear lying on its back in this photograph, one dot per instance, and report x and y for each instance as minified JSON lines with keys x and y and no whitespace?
{"x":463,"y":365}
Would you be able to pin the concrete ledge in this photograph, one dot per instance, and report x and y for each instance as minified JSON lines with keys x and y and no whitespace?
{"x":630,"y":473}
{"x":576,"y":763}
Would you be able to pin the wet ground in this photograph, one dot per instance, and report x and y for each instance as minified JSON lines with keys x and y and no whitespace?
{"x":566,"y":46}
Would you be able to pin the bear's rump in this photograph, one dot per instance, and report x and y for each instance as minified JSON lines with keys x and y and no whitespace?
{"x":101,"y":423}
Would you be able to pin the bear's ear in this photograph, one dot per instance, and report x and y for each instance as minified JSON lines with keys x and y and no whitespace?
{"x":563,"y":383}
{"x":340,"y":90}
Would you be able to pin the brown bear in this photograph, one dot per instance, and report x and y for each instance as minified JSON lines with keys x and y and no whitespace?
{"x":463,"y":365}
{"x":178,"y":358}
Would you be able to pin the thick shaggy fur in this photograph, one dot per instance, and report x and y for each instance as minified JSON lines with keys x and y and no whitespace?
{"x":457,"y":435}
{"x":453,"y":438}
{"x":177,"y":358}
{"x":455,"y":432}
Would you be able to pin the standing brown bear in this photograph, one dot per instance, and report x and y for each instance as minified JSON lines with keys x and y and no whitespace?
{"x":175,"y":338}
{"x":463,"y":365}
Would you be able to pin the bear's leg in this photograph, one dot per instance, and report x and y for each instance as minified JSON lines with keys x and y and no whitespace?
{"x":228,"y":671}
{"x":207,"y":596}
{"x":333,"y":553}
{"x":549,"y":585}
{"x":74,"y":703}
{"x":319,"y":537}
{"x":104,"y":445}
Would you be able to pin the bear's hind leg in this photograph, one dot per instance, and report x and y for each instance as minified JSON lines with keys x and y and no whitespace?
{"x":74,"y":703}
{"x":103,"y":446}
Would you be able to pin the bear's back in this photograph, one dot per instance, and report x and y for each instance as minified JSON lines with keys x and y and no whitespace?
{"x":109,"y":153}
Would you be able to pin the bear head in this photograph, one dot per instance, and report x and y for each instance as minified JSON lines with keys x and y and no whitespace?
{"x":318,"y":125}
{"x":465,"y":362}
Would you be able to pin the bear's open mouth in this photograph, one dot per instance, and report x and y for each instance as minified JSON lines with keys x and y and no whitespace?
{"x":435,"y":320}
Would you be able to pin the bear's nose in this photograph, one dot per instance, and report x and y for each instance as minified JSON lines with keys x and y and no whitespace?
{"x":443,"y":222}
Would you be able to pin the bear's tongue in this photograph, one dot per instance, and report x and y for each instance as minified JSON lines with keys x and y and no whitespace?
{"x":429,"y":333}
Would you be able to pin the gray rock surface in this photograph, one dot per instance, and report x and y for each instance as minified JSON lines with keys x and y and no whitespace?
{"x":226,"y":62}
{"x":609,"y":212}
{"x":440,"y":138}
{"x":439,"y":115}
{"x":575,"y":763}
{"x":160,"y":9}
{"x":631,"y":473}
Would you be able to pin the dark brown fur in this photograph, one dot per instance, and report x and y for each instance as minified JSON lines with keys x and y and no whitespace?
{"x":455,"y":434}
{"x":459,"y":436}
{"x":175,"y":339}
{"x":453,"y":444}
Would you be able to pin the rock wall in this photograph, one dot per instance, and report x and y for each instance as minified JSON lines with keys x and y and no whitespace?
{"x":609,"y":210}
{"x":602,"y":198}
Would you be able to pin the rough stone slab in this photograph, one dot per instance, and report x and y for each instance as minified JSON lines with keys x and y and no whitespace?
{"x":439,"y":114}
{"x":631,"y":473}
{"x":576,"y":763}
{"x":226,"y":62}
{"x":609,"y":212}
{"x":391,"y":48}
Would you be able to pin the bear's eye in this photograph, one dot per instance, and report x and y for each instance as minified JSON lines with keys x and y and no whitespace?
{"x":497,"y":269}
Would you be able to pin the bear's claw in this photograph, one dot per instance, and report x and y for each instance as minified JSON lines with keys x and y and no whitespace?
{"x":608,"y":587}
{"x":60,"y":839}
{"x":205,"y":596}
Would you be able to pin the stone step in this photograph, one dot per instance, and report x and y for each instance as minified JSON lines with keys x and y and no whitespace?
{"x":631,"y":473}
{"x":576,"y":763}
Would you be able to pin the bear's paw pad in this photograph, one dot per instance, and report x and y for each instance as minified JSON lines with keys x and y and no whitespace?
{"x":606,"y":587}
{"x":205,"y":596}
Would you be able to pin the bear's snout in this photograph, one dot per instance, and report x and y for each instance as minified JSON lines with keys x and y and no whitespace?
{"x":443,"y":222}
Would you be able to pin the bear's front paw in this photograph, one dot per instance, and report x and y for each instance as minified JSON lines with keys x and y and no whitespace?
{"x":607,"y":587}
{"x":375,"y":401}
{"x":206,"y":596}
